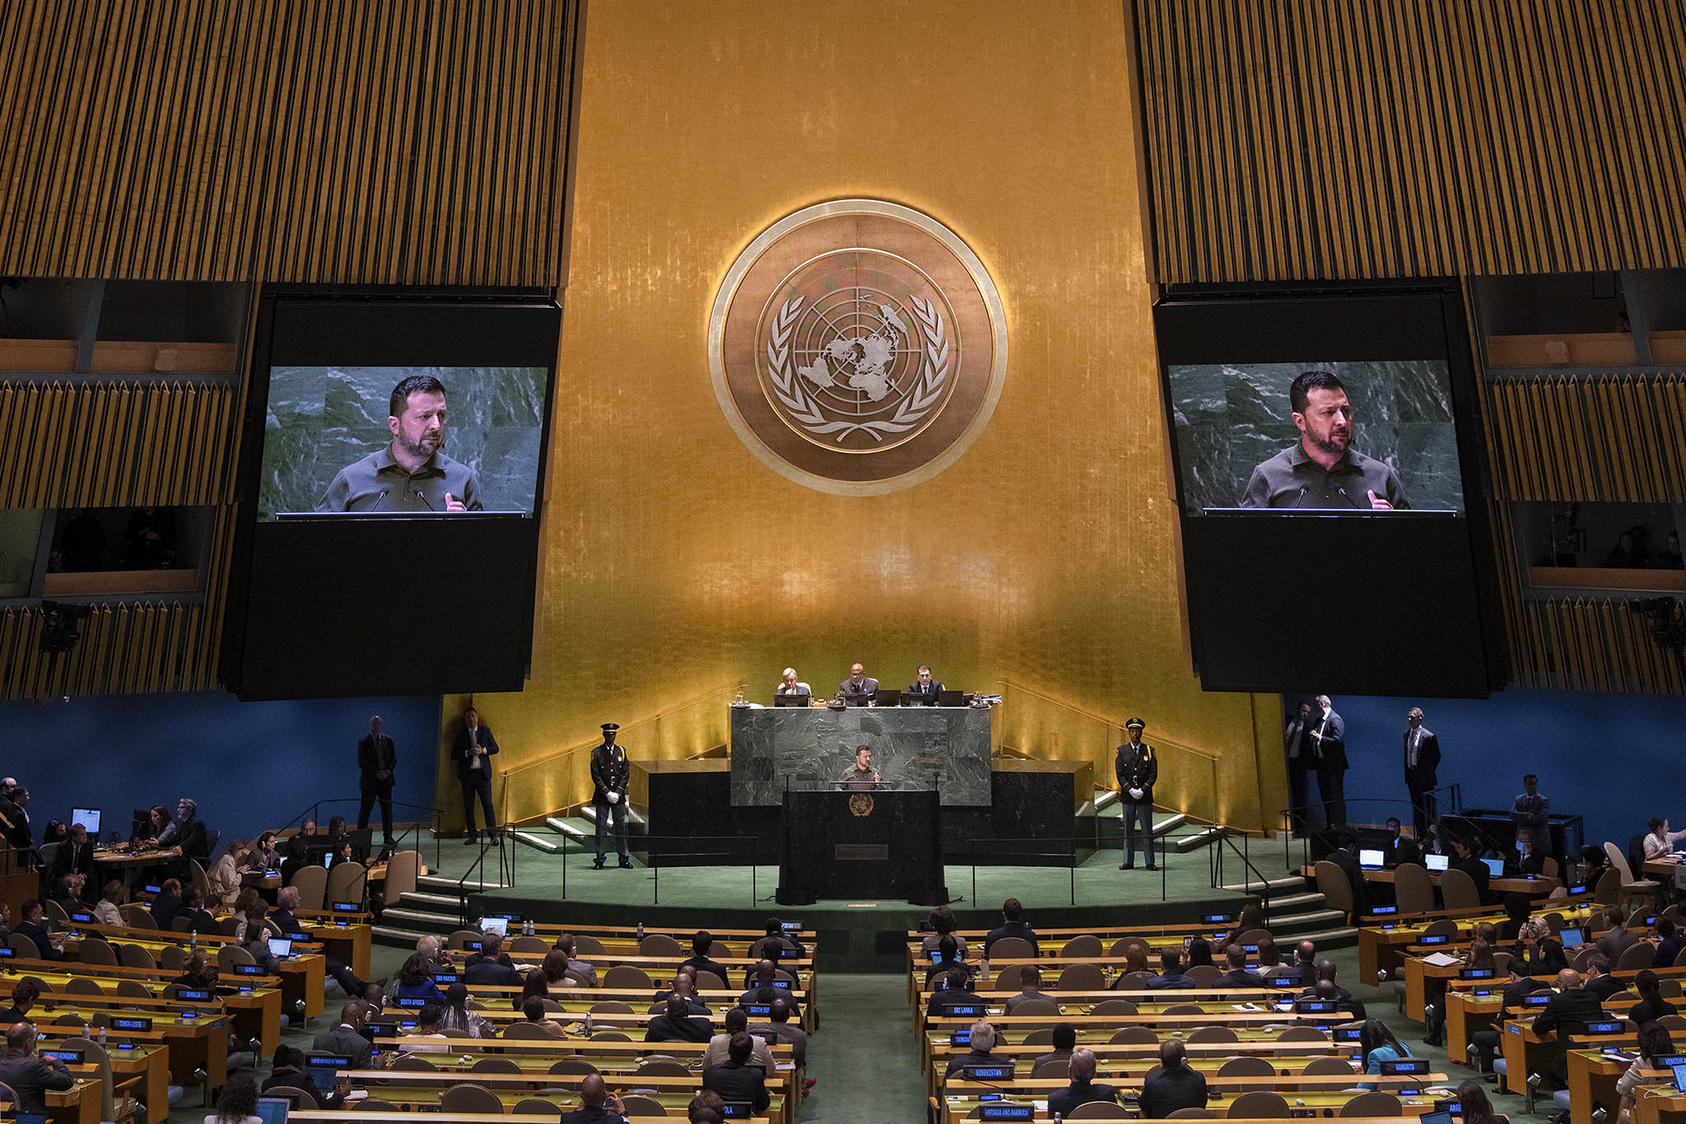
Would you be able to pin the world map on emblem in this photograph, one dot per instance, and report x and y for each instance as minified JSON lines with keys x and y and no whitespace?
{"x":857,"y":347}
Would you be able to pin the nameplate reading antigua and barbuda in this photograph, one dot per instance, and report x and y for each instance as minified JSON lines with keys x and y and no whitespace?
{"x":858,"y":346}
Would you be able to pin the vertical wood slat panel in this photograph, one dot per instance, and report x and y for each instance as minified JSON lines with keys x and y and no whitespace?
{"x":418,"y":141}
{"x":1618,"y":439}
{"x":1444,"y":138}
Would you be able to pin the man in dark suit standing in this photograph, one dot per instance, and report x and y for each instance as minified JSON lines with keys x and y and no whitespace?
{"x":737,"y":1080}
{"x":473,"y":754}
{"x":1296,"y":747}
{"x":376,"y":760}
{"x":610,"y":771}
{"x":1137,"y":767}
{"x":923,"y":691}
{"x":1422,"y":761}
{"x":1328,"y":753}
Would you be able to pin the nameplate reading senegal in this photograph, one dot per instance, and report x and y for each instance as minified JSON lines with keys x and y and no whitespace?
{"x":858,"y":346}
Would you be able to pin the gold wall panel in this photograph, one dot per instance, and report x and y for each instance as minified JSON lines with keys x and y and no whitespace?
{"x":408,"y":141}
{"x":1412,"y":138}
{"x":675,"y":561}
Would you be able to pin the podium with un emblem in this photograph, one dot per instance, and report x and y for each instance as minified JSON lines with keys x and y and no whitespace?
{"x":866,"y":845}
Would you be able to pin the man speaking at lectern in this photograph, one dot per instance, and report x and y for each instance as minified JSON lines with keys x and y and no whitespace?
{"x":860,"y":777}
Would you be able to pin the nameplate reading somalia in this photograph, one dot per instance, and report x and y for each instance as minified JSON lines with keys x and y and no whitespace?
{"x":858,"y":346}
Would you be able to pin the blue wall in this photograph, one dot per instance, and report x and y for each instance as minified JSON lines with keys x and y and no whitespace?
{"x":1617,"y":760}
{"x":250,"y":766}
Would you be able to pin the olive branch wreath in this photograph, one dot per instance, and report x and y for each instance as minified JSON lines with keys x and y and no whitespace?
{"x":804,"y":408}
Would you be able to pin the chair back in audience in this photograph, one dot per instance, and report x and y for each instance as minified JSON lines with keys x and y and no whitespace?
{"x":415,"y":1063}
{"x":1041,"y":1036}
{"x":347,"y":882}
{"x":133,"y":989}
{"x":1192,"y":1114}
{"x":460,"y":939}
{"x":97,"y":952}
{"x":571,"y":1067}
{"x":627,"y":975}
{"x":706,"y":980}
{"x":1639,"y":954}
{"x":1051,"y":1067}
{"x":1549,"y":868}
{"x":1134,"y":1036}
{"x":1259,"y":1104}
{"x":1037,"y":1007}
{"x":196,"y":876}
{"x":1008,"y":979}
{"x":1098,"y":1110}
{"x":1457,"y":891}
{"x":1323,"y":1067}
{"x":660,"y":944}
{"x":231,"y":954}
{"x":637,"y":1104}
{"x":1081,"y":946}
{"x":586,"y":946}
{"x":1114,"y":1007}
{"x":402,"y":871}
{"x":535,"y":1106}
{"x":1011,"y":948}
{"x":1413,"y":889}
{"x":1302,"y":1033}
{"x":610,"y":1007}
{"x":1205,"y":975}
{"x":1215,"y":1033}
{"x":54,"y":911}
{"x":528,"y":946}
{"x":526,"y":1030}
{"x":1376,"y":1102}
{"x":1332,"y":884}
{"x":1443,"y":927}
{"x":172,"y":957}
{"x":1608,"y":888}
{"x":137,"y":916}
{"x":1248,"y":1065}
{"x":136,"y":956}
{"x":497,"y":1063}
{"x":1081,"y":977}
{"x":23,"y":946}
{"x":94,"y":1054}
{"x":312,"y":883}
{"x":662,"y":1067}
{"x":82,"y":985}
{"x":301,"y":1098}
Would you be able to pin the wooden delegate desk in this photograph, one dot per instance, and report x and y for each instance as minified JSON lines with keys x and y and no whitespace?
{"x":303,"y":976}
{"x":1592,"y":1083}
{"x":420,"y":1092}
{"x":1659,"y":1104}
{"x":143,"y":1070}
{"x":353,"y":1116}
{"x":883,"y":844}
{"x":955,"y":1110}
{"x":1527,"y":1051}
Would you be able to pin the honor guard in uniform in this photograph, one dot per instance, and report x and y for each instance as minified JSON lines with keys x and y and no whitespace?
{"x":609,"y":773}
{"x":1137,"y":767}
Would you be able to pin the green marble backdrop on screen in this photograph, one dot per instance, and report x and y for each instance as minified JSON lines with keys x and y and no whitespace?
{"x":321,"y":419}
{"x":1230,"y":417}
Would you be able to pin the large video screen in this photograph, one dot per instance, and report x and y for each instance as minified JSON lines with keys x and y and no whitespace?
{"x":1326,"y":444}
{"x":1323,"y":433}
{"x":402,"y":440}
{"x":393,"y":468}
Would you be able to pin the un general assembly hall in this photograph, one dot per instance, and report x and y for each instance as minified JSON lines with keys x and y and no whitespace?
{"x":946,"y":561}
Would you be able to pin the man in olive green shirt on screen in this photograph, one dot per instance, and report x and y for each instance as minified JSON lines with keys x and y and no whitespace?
{"x":409,"y":474}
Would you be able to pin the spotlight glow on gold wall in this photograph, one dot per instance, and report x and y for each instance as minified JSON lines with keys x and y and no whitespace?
{"x":677,"y":566}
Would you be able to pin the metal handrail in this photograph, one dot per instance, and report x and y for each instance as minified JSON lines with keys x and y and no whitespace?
{"x":314,"y":813}
{"x":747,"y":844}
{"x":1290,"y":819}
{"x":1245,"y":854}
{"x":506,"y":866}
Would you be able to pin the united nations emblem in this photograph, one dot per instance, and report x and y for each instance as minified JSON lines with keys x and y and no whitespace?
{"x":858,"y":347}
{"x":860,"y":804}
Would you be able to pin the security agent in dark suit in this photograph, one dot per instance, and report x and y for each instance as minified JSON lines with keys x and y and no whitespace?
{"x":377,"y":760}
{"x":14,"y":819}
{"x":1328,"y":754}
{"x":923,"y":691}
{"x":610,"y":771}
{"x":75,"y":856}
{"x":1296,"y":747}
{"x":472,"y":751}
{"x":859,"y":689}
{"x":347,"y":1036}
{"x":1137,"y":768}
{"x":1175,"y":1086}
{"x":1399,"y":849}
{"x":1422,"y":762}
{"x":1082,"y":1089}
{"x":737,"y":1080}
{"x":1567,"y":1014}
{"x":30,"y":1076}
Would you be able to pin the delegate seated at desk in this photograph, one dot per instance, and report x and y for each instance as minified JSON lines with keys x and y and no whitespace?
{"x":859,"y":776}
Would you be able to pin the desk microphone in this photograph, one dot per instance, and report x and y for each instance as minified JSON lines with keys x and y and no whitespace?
{"x":423,"y":499}
{"x":1338,"y":491}
{"x":1299,"y":499}
{"x":379,"y":499}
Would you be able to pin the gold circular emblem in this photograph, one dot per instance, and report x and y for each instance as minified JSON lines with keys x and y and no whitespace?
{"x":860,"y":804}
{"x":858,"y":346}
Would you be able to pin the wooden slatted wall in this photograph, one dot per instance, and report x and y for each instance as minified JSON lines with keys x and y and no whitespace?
{"x":317,"y":141}
{"x":410,"y":141}
{"x":97,"y":444}
{"x":1322,"y":139}
{"x":1412,"y":138}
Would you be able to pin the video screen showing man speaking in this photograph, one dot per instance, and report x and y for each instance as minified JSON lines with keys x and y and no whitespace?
{"x":411,"y":441}
{"x":1322,"y":437}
